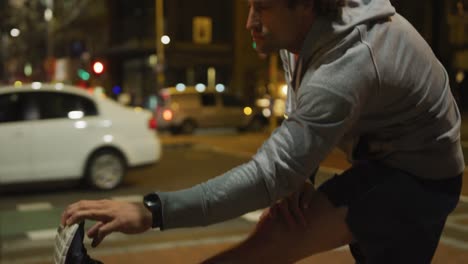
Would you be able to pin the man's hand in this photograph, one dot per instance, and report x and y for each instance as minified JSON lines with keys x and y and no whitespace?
{"x":291,"y":209}
{"x":111,"y":216}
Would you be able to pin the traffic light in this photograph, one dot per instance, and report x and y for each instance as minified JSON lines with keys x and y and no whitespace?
{"x":98,"y":67}
{"x":83,"y":74}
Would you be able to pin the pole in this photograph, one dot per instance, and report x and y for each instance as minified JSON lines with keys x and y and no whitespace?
{"x":159,"y":20}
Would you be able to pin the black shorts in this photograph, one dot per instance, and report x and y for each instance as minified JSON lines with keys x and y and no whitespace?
{"x":394,"y":216}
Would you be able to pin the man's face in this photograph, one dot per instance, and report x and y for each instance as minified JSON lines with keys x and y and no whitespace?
{"x":274,"y":26}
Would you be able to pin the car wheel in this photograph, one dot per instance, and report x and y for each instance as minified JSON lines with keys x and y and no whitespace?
{"x":187,"y":127}
{"x":105,"y":170}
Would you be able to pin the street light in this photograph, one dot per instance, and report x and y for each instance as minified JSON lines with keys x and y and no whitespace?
{"x":48,"y":14}
{"x":165,"y":39}
{"x":14,"y":32}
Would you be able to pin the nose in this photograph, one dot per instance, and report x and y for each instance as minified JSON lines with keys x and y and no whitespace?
{"x":252,"y":19}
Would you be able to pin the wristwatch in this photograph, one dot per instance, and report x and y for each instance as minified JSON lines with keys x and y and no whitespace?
{"x":153,"y":204}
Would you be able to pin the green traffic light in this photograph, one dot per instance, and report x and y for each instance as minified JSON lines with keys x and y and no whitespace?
{"x":84,"y":75}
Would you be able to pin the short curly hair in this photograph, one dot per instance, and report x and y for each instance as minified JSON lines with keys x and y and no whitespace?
{"x":323,"y":7}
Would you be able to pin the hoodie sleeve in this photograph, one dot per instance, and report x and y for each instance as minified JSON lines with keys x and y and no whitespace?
{"x":279,"y":168}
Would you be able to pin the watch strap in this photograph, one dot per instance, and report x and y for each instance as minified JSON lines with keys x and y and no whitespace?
{"x":153,"y":203}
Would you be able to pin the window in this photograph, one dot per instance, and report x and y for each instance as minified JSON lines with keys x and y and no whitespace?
{"x":58,"y":105}
{"x":208,"y":99}
{"x":10,"y":108}
{"x":229,"y":101}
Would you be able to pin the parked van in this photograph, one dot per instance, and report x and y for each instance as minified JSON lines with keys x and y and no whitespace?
{"x":184,"y":111}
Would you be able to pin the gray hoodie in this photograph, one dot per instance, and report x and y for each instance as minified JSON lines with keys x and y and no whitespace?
{"x":366,"y":77}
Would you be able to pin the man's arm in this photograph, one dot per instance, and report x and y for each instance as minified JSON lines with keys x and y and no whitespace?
{"x":279,"y":168}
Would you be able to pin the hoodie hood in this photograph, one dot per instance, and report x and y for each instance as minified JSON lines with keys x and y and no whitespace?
{"x":355,"y":12}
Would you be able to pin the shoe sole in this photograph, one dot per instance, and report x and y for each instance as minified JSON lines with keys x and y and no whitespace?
{"x":63,"y":240}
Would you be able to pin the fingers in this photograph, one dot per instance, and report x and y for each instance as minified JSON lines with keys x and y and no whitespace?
{"x":283,"y":208}
{"x":96,"y":215}
{"x":297,"y":212}
{"x":102,"y":230}
{"x":77,"y":212}
{"x":92,"y":232}
{"x":111,"y":216}
{"x":293,"y":208}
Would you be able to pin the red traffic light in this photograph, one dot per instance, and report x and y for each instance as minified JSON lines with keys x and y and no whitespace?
{"x":98,"y":67}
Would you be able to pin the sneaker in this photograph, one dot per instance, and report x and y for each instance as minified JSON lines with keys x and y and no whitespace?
{"x":69,"y":248}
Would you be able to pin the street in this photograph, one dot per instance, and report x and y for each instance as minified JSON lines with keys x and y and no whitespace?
{"x":85,"y":85}
{"x":28,"y":221}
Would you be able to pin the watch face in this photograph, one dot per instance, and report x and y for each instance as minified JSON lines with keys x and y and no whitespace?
{"x":151,"y":199}
{"x":153,"y":203}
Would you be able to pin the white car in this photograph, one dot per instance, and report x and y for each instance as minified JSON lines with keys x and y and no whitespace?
{"x":55,"y":132}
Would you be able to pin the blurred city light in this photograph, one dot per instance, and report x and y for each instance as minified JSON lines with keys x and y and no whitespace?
{"x":153,"y":60}
{"x":266,"y":112}
{"x":14,"y":32}
{"x":167,"y":115}
{"x":220,"y":88}
{"x":28,"y":69}
{"x":18,"y":84}
{"x":247,"y":110}
{"x":263,"y":102}
{"x":180,"y":87}
{"x":117,"y":90}
{"x":75,"y":114}
{"x":36,"y":85}
{"x":200,"y":87}
{"x":165,"y":39}
{"x":460,"y":77}
{"x":284,"y":90}
{"x":84,"y":75}
{"x":59,"y":86}
{"x":98,"y":67}
{"x":48,"y":14}
{"x":152,"y":102}
{"x":279,"y":107}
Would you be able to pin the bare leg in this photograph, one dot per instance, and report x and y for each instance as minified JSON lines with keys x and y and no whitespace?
{"x":274,"y":241}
